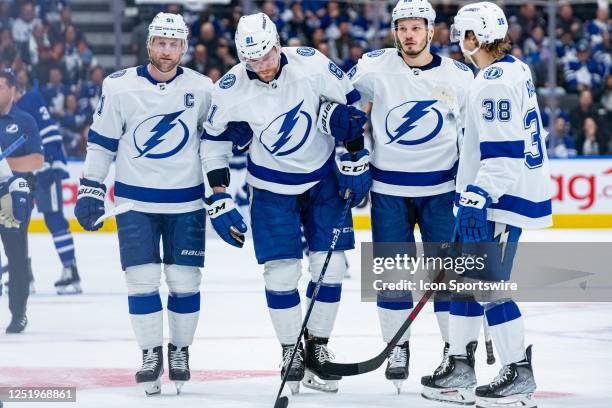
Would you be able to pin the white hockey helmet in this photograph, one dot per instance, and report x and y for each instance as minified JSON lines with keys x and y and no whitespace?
{"x":168,"y":25}
{"x":256,"y":35}
{"x":413,"y":9}
{"x":487,"y":20}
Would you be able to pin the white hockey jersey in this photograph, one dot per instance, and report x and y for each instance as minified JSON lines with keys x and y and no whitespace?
{"x":504,"y":147}
{"x":416,"y":119}
{"x":288,"y":154}
{"x":154,"y":130}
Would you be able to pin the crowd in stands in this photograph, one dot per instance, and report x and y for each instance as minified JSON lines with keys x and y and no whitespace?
{"x":40,"y":39}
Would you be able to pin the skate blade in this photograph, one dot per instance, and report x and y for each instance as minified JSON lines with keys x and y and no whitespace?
{"x":179,"y":386}
{"x":152,"y":388}
{"x":398,"y":385}
{"x":520,"y":400}
{"x":294,"y":386}
{"x":72,"y":289}
{"x":459,"y":396}
{"x":315,"y":383}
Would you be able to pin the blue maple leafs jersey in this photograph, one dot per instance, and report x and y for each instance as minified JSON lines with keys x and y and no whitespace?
{"x":504,"y":147}
{"x":417,"y":117}
{"x":288,"y":154}
{"x":154,"y":130}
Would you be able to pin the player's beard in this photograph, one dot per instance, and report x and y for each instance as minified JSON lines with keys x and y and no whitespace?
{"x":411,"y":52}
{"x":164,"y":65}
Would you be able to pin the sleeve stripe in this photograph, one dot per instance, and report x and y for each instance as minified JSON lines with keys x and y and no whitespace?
{"x":512,"y":150}
{"x":352,"y":97}
{"x":106,"y":142}
{"x":220,"y":138}
{"x":48,"y":129}
{"x":56,"y":138}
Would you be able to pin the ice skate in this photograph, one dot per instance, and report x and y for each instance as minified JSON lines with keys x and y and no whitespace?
{"x":152,"y":369}
{"x":296,"y":371}
{"x":69,"y":282}
{"x":397,"y":365}
{"x":454,"y":380}
{"x":513,"y":387}
{"x":316,"y":355}
{"x":178,"y":365}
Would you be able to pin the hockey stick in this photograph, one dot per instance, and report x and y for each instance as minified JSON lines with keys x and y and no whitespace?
{"x":348,"y":369}
{"x":488,"y":342}
{"x":120,"y":209}
{"x":283,"y":402}
{"x":18,"y":142}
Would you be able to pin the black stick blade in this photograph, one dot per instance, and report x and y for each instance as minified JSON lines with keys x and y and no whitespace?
{"x":282,"y":402}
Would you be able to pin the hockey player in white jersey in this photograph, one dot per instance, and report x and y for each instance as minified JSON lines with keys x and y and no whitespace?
{"x":417,"y":113}
{"x":278,"y":92}
{"x":149,"y":119}
{"x":503,"y":186}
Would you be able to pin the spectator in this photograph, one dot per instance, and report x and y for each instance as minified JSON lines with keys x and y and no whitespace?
{"x":224,"y":57}
{"x":90,"y":92}
{"x":57,"y":30}
{"x":339,"y":47}
{"x":72,"y":58}
{"x":208,"y":38}
{"x":583,"y":73}
{"x":590,"y":139}
{"x":55,"y":92}
{"x":72,"y":122}
{"x":199,"y":62}
{"x":24,"y":25}
{"x":563,"y":144}
{"x":586,"y":109}
{"x":323,"y":49}
{"x":297,"y":26}
{"x":606,"y":100}
{"x":440,"y":43}
{"x":38,"y":44}
{"x":566,"y":22}
{"x":214,"y":73}
{"x":139,"y":40}
{"x":8,"y":49}
{"x":356,"y":53}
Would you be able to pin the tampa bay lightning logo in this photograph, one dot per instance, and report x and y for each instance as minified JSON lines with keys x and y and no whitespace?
{"x":413,"y":122}
{"x":287,"y":132}
{"x":227,"y":81}
{"x":161,"y":136}
{"x":493,"y":73}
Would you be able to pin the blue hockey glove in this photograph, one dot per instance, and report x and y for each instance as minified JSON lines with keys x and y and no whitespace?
{"x":240,"y":134}
{"x":49,"y":174}
{"x":90,"y":204}
{"x":15,"y":203}
{"x":471,"y":221}
{"x":353,"y":174}
{"x":225,"y":219}
{"x":342,"y":122}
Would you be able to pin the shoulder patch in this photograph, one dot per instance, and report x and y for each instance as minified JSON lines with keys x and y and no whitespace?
{"x":306,"y":51}
{"x":352,"y":72}
{"x":461,"y":66}
{"x":118,"y":74}
{"x":376,"y":53}
{"x":227,"y":81}
{"x":493,"y":73}
{"x":334,"y":69}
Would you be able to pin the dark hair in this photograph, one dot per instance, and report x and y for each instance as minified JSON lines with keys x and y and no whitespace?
{"x":9,"y":76}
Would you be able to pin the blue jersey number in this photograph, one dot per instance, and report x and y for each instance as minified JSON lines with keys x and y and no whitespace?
{"x":500,"y":110}
{"x":532,"y":122}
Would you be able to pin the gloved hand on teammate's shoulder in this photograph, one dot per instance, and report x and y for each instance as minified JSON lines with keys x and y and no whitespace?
{"x":226,"y":219}
{"x":353,"y":174}
{"x":90,"y":204}
{"x":342,"y":122}
{"x":471,"y":221}
{"x":14,"y":202}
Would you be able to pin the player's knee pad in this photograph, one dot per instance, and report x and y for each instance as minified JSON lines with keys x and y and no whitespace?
{"x":183,"y":279}
{"x":56,"y":222}
{"x":335,"y":269}
{"x":282,"y":274}
{"x":143,"y":279}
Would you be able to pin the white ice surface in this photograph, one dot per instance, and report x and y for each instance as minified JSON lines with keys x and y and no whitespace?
{"x":86,"y":341}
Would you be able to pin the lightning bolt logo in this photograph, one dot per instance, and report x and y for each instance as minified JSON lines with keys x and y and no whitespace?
{"x":503,"y":234}
{"x":162,"y":127}
{"x":284,"y":131}
{"x":415,"y":113}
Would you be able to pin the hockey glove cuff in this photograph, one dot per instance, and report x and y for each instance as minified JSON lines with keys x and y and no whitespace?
{"x":225,"y":219}
{"x":90,"y":204}
{"x":471,"y":221}
{"x":342,"y":122}
{"x":15,"y":203}
{"x":353,"y":174}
